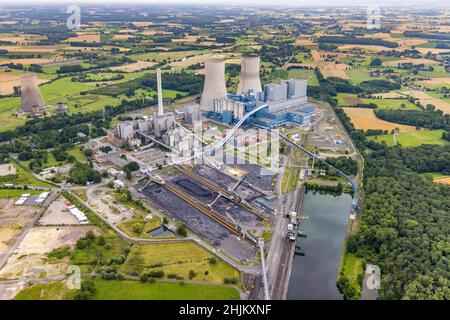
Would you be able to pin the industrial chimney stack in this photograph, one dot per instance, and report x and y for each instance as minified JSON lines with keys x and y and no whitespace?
{"x":160,"y":95}
{"x":30,"y":94}
{"x":214,"y":87}
{"x":249,"y":75}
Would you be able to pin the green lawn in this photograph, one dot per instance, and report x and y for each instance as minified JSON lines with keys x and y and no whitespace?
{"x":383,"y":137}
{"x":412,"y":139}
{"x":304,"y":74}
{"x":135,"y":290}
{"x":353,"y":268}
{"x":358,"y":75}
{"x":11,"y":193}
{"x":177,"y":258}
{"x":417,"y":138}
{"x":152,"y":224}
{"x":47,"y":291}
{"x":23,"y":177}
{"x":78,"y":154}
{"x":92,"y":254}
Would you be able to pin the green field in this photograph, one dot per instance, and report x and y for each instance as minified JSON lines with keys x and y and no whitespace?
{"x":416,"y":138}
{"x":412,"y":139}
{"x":24,"y":177}
{"x":12,"y":193}
{"x":383,"y":137}
{"x":358,"y":75}
{"x":177,"y":258}
{"x":304,"y":74}
{"x":92,"y":254}
{"x":353,"y":270}
{"x":78,"y":154}
{"x":135,"y":290}
{"x":47,"y":291}
{"x":383,"y":104}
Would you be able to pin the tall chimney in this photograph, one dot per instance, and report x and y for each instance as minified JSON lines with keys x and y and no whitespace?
{"x":249,"y":75}
{"x":160,"y":95}
{"x":214,"y":87}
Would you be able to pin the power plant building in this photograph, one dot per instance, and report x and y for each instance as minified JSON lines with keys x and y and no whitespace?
{"x":125,"y":131}
{"x":249,"y":79}
{"x":31,"y":99}
{"x":214,"y":87}
{"x":286,"y":101}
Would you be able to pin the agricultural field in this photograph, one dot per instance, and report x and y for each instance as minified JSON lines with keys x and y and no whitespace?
{"x":135,"y":290}
{"x":349,"y":100}
{"x":177,"y":258}
{"x":365,"y":119}
{"x":417,"y":138}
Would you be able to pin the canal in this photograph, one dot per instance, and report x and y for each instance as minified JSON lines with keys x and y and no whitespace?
{"x":314,"y":274}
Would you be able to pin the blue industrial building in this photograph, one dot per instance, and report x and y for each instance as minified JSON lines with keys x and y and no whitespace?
{"x":237,"y":105}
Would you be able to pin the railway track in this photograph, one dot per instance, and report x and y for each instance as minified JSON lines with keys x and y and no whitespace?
{"x":218,"y":190}
{"x":202,"y":208}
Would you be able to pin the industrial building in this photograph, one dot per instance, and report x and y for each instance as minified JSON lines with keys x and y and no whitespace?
{"x":286,"y":101}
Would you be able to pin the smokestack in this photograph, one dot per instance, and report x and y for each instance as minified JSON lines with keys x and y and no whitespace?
{"x":30,"y":94}
{"x":249,"y":74}
{"x":160,"y":96}
{"x":214,"y":87}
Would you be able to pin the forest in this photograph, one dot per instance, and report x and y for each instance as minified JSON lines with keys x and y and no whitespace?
{"x":405,"y":227}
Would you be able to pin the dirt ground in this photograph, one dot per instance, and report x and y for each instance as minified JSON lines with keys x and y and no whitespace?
{"x":29,"y":260}
{"x":190,"y":61}
{"x":134,"y":66}
{"x":12,"y":220}
{"x":85,"y":37}
{"x":413,"y":61}
{"x":49,"y":48}
{"x":364,"y":118}
{"x":7,"y":169}
{"x":436,"y":81}
{"x":425,"y":99}
{"x":58,"y":214}
{"x":330,"y":69}
{"x":445,"y":180}
{"x":8,"y":82}
{"x":388,"y":95}
{"x":304,"y":42}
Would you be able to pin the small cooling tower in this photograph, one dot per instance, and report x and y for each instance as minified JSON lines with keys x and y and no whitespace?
{"x":214,"y":87}
{"x":249,"y":75}
{"x":31,"y":94}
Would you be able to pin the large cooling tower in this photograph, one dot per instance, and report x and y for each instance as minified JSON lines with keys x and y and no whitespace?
{"x":249,"y":75}
{"x":30,"y":93}
{"x":214,"y":82}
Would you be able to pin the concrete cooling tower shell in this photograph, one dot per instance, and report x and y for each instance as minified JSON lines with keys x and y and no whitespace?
{"x":215,"y":87}
{"x":249,"y":75}
{"x":31,"y":94}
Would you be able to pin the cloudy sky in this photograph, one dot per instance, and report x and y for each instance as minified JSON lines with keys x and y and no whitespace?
{"x":260,"y":2}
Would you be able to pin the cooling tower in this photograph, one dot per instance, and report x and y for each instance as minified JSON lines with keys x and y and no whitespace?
{"x":249,"y":75}
{"x":31,"y":95}
{"x":214,"y":82}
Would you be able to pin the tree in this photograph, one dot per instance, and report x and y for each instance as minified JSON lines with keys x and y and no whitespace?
{"x":138,"y":228}
{"x":88,"y":152}
{"x":376,"y":62}
{"x":87,"y":290}
{"x":182,"y":231}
